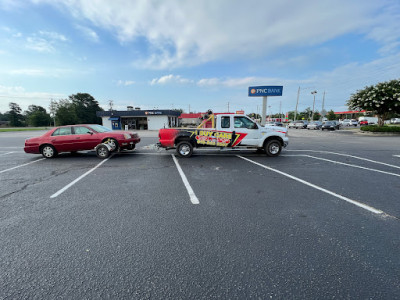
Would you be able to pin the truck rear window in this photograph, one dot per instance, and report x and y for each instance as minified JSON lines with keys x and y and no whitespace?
{"x":225,"y":122}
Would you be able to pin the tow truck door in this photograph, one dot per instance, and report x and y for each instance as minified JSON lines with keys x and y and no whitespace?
{"x":242,"y":124}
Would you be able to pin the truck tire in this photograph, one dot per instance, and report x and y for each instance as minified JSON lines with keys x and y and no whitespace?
{"x":184,"y":149}
{"x":102,"y":151}
{"x":273,"y":148}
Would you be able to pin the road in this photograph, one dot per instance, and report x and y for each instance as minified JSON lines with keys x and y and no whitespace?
{"x":319,"y":221}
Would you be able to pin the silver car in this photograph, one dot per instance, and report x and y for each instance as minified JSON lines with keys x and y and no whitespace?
{"x":315,"y":125}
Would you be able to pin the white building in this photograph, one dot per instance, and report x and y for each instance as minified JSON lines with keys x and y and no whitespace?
{"x":139,"y":119}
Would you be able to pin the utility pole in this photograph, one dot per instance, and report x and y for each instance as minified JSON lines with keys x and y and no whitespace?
{"x":110,"y":103}
{"x":189,"y":109}
{"x":280,"y":110}
{"x":228,"y":106}
{"x":323,"y":107}
{"x":297,"y":103}
{"x":313,"y":106}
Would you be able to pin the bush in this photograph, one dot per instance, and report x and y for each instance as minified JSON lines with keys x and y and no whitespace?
{"x":375,"y":128}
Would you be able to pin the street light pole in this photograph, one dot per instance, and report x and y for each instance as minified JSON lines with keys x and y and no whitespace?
{"x":313,"y":107}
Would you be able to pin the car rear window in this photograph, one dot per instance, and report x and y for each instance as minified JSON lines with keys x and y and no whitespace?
{"x":62,"y":131}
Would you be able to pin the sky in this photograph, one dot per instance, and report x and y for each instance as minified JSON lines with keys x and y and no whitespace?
{"x":197,"y":55}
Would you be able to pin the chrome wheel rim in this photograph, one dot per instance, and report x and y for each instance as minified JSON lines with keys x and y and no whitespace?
{"x":48,"y":151}
{"x":184,"y":150}
{"x":102,"y":152}
{"x":274,"y":149}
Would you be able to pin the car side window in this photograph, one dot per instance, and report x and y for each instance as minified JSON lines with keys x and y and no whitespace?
{"x":225,"y":122}
{"x":81,"y":130}
{"x":62,"y":131}
{"x":243,"y":122}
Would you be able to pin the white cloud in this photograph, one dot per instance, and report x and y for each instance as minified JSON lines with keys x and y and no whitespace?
{"x":39,"y":45}
{"x":88,"y":33}
{"x":44,"y":41}
{"x":182,"y":33}
{"x":53,"y":35}
{"x":28,"y":72}
{"x":125,"y":82}
{"x":167,"y":79}
{"x":24,"y":98}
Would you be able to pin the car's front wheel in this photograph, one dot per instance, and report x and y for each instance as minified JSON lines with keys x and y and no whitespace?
{"x":48,"y":151}
{"x":273,"y":148}
{"x":102,"y":151}
{"x":184,"y":149}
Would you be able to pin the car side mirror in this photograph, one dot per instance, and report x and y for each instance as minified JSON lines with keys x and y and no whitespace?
{"x":90,"y":132}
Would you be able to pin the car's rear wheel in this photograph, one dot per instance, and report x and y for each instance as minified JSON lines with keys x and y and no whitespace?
{"x":48,"y":151}
{"x":102,"y":151}
{"x":273,"y":148}
{"x":184,"y":149}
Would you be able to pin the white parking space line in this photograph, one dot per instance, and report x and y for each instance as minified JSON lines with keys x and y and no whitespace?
{"x":6,"y":153}
{"x":359,"y":204}
{"x":19,"y":166}
{"x":348,"y":155}
{"x":189,"y":189}
{"x":342,"y":163}
{"x":79,"y":178}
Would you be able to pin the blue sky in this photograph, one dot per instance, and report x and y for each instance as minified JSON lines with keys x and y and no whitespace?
{"x":203,"y":54}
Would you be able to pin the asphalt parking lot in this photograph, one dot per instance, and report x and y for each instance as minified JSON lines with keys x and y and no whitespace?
{"x":320,"y":221}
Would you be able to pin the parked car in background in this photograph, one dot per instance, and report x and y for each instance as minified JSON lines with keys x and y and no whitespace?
{"x":354,"y":122}
{"x":274,"y":124}
{"x":371,"y":120}
{"x":292,"y":124}
{"x":301,"y":124}
{"x":74,"y":138}
{"x":395,"y":121}
{"x":363,"y":122}
{"x":314,"y":125}
{"x":330,"y":125}
{"x":346,"y":122}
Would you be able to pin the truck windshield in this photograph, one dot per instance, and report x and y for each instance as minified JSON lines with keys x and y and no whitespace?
{"x":243,"y":122}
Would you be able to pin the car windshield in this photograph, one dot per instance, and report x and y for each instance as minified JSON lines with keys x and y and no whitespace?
{"x":329,"y":123}
{"x":99,"y":128}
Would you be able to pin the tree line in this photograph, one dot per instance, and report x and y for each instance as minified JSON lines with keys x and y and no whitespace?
{"x":77,"y":109}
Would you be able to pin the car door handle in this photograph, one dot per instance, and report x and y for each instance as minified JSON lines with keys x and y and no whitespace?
{"x":77,"y":138}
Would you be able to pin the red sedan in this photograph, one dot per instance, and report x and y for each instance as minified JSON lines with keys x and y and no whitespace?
{"x":74,"y":138}
{"x":363,"y":122}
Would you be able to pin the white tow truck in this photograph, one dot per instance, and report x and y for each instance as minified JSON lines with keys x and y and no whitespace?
{"x":225,"y":131}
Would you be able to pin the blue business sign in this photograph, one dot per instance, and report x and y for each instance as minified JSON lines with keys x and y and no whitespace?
{"x":257,"y":91}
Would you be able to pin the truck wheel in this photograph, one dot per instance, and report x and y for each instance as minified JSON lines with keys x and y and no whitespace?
{"x":273,"y":148}
{"x":184,"y":149}
{"x":102,"y":151}
{"x":48,"y":151}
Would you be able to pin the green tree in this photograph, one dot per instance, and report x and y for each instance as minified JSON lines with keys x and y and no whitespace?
{"x":305,"y":115}
{"x":85,"y":107}
{"x":4,"y":117}
{"x":382,"y":99}
{"x":317,"y":116}
{"x":14,"y":115}
{"x":331,"y":115}
{"x":255,"y":116}
{"x":37,"y":116}
{"x":65,"y":114}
